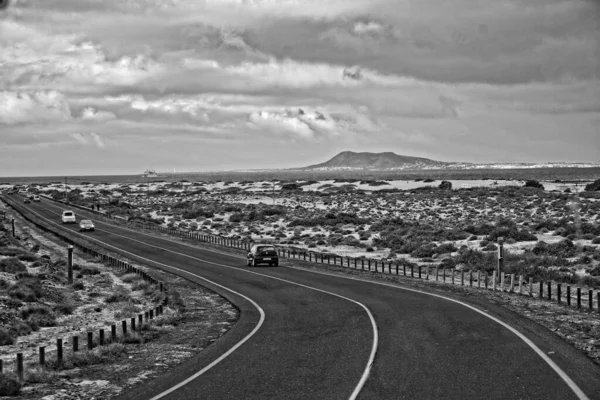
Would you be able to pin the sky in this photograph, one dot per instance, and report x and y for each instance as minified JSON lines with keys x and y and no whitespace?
{"x":120,"y":86}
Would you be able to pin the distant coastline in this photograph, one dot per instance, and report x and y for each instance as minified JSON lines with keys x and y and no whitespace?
{"x":568,"y":174}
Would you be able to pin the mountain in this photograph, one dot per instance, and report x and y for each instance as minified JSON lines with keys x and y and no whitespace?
{"x":375,"y":161}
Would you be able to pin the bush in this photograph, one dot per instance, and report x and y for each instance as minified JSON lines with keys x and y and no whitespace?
{"x":78,"y":285}
{"x":9,"y":385}
{"x":90,"y":271}
{"x":594,"y":186}
{"x":28,"y":257}
{"x":39,"y":374}
{"x":236,"y":217}
{"x":533,"y":184}
{"x":129,"y":278}
{"x":445,"y":185}
{"x":5,"y":337}
{"x":64,"y":308}
{"x":119,"y":295}
{"x":12,"y":265}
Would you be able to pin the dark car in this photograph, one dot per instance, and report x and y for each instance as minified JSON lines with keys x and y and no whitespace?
{"x":86,"y":225}
{"x":263,"y":254}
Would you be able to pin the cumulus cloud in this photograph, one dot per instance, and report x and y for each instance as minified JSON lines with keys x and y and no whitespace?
{"x":312,"y":124}
{"x":18,"y":107}
{"x":90,"y":138}
{"x":92,"y":114}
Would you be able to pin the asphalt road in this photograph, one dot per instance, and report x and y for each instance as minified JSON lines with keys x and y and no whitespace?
{"x":311,"y":336}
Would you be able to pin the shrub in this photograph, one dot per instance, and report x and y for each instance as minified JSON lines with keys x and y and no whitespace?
{"x":90,"y":271}
{"x":127,"y":310}
{"x":13,"y":303}
{"x":28,"y":257}
{"x":12,"y":265}
{"x":5,"y":337}
{"x":78,"y":285}
{"x":445,"y":185}
{"x":119,"y":295}
{"x":9,"y":385}
{"x":64,"y":308}
{"x":533,"y":184}
{"x":594,"y":186}
{"x":490,"y":247}
{"x":236,"y":217}
{"x":38,"y":374}
{"x":423,"y":251}
{"x":129,"y":278}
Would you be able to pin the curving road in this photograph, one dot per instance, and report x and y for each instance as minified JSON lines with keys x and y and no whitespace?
{"x":309,"y":335}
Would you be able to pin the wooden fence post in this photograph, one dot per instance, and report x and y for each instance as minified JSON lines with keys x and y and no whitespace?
{"x":20,"y":374}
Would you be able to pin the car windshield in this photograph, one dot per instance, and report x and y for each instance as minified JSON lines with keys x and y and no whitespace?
{"x":68,"y":214}
{"x":86,"y":222}
{"x":266,"y":248}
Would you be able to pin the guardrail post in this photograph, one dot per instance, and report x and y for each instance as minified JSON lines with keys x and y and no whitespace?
{"x":520,"y":284}
{"x":20,"y":366}
{"x":512,"y":283}
{"x":590,"y":299}
{"x":59,"y":352}
{"x":140,"y":319}
{"x":1,"y":366}
{"x":101,"y":337}
{"x":75,"y":343}
{"x":70,"y":264}
{"x":578,"y":297}
{"x":132,"y":324}
{"x":530,"y":286}
{"x":12,"y":222}
{"x":494,"y":281}
{"x":90,"y":340}
{"x":568,"y":295}
{"x":550,"y":290}
{"x":558,"y":293}
{"x":124,"y":327}
{"x":541,"y":290}
{"x":113,"y":333}
{"x":42,"y":352}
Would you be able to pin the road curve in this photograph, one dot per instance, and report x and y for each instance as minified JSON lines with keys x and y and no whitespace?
{"x":315,"y":345}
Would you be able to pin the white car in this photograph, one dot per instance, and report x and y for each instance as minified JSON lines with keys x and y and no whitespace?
{"x":86,"y":225}
{"x":68,"y":217}
{"x":36,"y":198}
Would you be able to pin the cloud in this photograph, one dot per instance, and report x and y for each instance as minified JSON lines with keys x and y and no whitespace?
{"x":92,"y":114}
{"x":40,"y":106}
{"x":88,"y":139}
{"x":314,"y":124}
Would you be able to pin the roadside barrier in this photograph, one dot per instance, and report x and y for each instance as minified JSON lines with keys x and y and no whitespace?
{"x":585,"y":298}
{"x":105,"y":258}
{"x":511,"y":284}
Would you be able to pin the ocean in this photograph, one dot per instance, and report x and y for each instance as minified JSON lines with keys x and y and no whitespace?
{"x":540,"y":174}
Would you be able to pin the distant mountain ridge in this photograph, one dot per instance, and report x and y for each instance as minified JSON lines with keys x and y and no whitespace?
{"x":375,"y":161}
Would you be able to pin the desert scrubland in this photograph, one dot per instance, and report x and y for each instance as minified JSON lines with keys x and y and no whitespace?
{"x":550,"y":228}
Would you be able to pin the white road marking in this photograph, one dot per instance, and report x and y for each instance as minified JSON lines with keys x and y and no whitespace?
{"x":563,"y":375}
{"x":370,"y":361}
